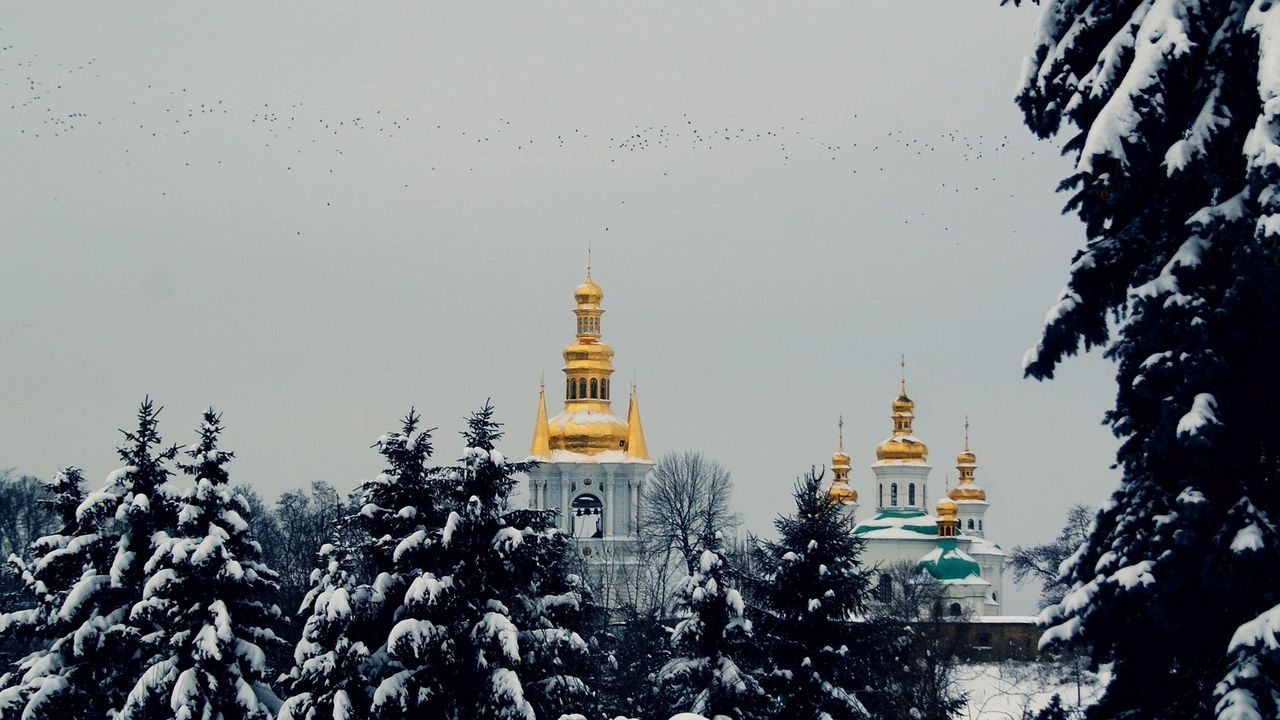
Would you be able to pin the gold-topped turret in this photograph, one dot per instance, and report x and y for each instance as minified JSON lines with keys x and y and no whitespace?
{"x":902,"y":446}
{"x":587,"y":425}
{"x":966,"y":461}
{"x":840,"y":491}
{"x":948,"y":522}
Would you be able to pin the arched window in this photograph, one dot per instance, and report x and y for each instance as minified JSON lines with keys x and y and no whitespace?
{"x":970,"y":523}
{"x":979,"y":526}
{"x":595,"y":390}
{"x":885,"y":590}
{"x":911,"y":494}
{"x":573,"y":389}
{"x":955,"y":610}
{"x":893,"y":494}
{"x":604,"y":388}
{"x":582,"y":388}
{"x":588,"y":517}
{"x":880,"y":496}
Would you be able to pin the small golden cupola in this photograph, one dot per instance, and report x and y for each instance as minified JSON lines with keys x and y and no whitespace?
{"x":902,"y":446}
{"x":840,"y":491}
{"x":966,"y":461}
{"x":587,"y":426}
{"x":948,"y":523}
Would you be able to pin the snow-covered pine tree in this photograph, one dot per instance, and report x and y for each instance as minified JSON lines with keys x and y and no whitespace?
{"x":330,"y":677}
{"x":488,"y":628}
{"x":209,"y":595}
{"x":714,"y":668}
{"x":809,"y":589}
{"x":46,"y":578}
{"x":1176,"y":110}
{"x":375,"y":554}
{"x":86,"y":583}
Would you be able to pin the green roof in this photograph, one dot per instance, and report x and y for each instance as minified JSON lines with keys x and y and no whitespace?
{"x":893,"y":518}
{"x":945,"y":562}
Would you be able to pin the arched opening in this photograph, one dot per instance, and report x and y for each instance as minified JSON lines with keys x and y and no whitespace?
{"x":595,"y":390}
{"x":573,"y":390}
{"x":582,"y":388}
{"x":979,"y":526}
{"x":880,"y":496}
{"x":911,"y":494}
{"x":971,"y":523}
{"x":884,"y":591}
{"x":955,"y":610}
{"x":588,"y":516}
{"x":893,"y":494}
{"x":604,"y":388}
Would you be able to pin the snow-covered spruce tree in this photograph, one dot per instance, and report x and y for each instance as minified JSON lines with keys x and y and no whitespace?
{"x":714,"y":668}
{"x":366,"y":569}
{"x":45,"y":576}
{"x":86,"y":583}
{"x":330,"y":676}
{"x":1175,"y":106}
{"x":209,"y":595}
{"x":488,"y":628}
{"x":809,"y":588}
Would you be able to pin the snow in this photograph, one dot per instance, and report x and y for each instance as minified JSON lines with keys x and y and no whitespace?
{"x":1001,"y":691}
{"x":1248,"y":539}
{"x":1134,"y":575}
{"x":1262,"y":630}
{"x":1161,"y":40}
{"x":449,"y":527}
{"x":1202,"y":413}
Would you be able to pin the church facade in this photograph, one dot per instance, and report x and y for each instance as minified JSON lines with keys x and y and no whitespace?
{"x":592,"y":464}
{"x":951,"y":544}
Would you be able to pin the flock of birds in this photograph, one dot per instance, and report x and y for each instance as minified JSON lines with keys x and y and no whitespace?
{"x":43,"y":103}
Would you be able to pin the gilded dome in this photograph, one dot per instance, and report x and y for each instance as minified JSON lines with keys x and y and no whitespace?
{"x":588,"y":293}
{"x":902,"y":448}
{"x":966,"y":462}
{"x":840,"y":459}
{"x":947,"y":509}
{"x":967,"y":492}
{"x":840,"y":492}
{"x":587,"y":431}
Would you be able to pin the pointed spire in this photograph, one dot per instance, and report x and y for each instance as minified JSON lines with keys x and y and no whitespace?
{"x":635,"y":432}
{"x":588,"y":259}
{"x":966,"y":433}
{"x":840,"y":442}
{"x":902,"y":379}
{"x":541,"y":445}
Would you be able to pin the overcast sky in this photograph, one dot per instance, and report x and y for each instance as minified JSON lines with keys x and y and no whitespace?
{"x":315,"y":215}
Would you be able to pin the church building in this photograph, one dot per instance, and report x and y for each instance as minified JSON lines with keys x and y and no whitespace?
{"x":950,"y":545}
{"x":592,"y":463}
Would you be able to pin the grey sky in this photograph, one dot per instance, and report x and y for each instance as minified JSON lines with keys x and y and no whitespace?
{"x":313,"y":216}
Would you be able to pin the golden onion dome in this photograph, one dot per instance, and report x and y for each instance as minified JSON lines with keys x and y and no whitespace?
{"x":966,"y":461}
{"x":588,"y":293}
{"x":967,"y":492}
{"x":947,"y":509}
{"x":840,"y":492}
{"x":587,"y":431}
{"x":840,"y":459}
{"x":902,"y":448}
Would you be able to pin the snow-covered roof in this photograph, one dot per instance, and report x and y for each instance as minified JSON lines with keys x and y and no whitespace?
{"x":898,"y":523}
{"x":604,"y":456}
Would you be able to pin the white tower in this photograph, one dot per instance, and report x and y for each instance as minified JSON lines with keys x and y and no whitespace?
{"x":592,"y":464}
{"x":971,"y":500}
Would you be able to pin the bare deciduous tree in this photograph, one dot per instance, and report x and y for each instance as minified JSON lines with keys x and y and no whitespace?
{"x":685,"y":500}
{"x":1040,"y":562}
